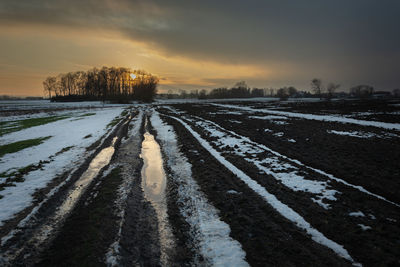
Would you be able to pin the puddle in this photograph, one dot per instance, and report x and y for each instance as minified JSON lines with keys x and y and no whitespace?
{"x":101,"y":160}
{"x":45,"y":231}
{"x":154,"y":184}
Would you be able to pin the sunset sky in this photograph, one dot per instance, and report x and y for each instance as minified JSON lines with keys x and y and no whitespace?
{"x":203,"y":44}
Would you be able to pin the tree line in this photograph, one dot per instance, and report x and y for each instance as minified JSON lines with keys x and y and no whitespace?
{"x":317,"y":89}
{"x":117,"y":84}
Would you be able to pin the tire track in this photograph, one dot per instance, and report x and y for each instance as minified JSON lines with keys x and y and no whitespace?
{"x":283,"y":209}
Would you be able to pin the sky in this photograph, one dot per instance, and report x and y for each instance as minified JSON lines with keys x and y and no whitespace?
{"x":203,"y":44}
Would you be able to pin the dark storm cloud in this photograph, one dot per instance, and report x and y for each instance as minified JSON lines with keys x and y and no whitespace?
{"x":352,"y":40}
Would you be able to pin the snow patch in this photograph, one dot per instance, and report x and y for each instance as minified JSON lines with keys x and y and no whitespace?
{"x":328,"y":118}
{"x":357,"y":214}
{"x":280,"y":207}
{"x":364,"y":227}
{"x":208,"y":231}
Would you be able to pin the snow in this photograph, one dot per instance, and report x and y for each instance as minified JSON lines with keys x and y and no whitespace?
{"x":327,"y":118}
{"x":269,"y":117}
{"x":280,"y":207}
{"x":279,"y":120}
{"x":329,"y":176}
{"x":357,"y":214}
{"x":361,"y":134}
{"x":113,"y":252}
{"x":208,"y":231}
{"x":291,"y":140}
{"x":280,"y":134}
{"x":279,"y":168}
{"x":65,"y":133}
{"x":353,"y":134}
{"x":364,"y":227}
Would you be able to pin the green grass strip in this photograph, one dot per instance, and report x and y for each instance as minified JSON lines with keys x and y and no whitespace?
{"x":27,"y":123}
{"x":17,"y":146}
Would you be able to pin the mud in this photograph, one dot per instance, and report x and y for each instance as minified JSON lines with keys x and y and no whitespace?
{"x":21,"y":248}
{"x":266,"y":237}
{"x":362,"y":245}
{"x":116,"y":210}
{"x":154,"y":187}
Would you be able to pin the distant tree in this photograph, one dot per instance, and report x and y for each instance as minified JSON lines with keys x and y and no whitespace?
{"x":49,"y":85}
{"x":396,"y":92}
{"x":331,"y":88}
{"x":203,"y":94}
{"x":115,"y":84}
{"x":271,"y":91}
{"x":241,"y":84}
{"x":283,"y":93}
{"x":291,"y":91}
{"x":256,"y":92}
{"x":362,"y":91}
{"x":316,"y":86}
{"x":184,"y":94}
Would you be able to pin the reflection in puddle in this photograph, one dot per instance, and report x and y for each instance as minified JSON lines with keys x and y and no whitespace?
{"x":101,"y":160}
{"x":153,"y":180}
{"x":153,"y":184}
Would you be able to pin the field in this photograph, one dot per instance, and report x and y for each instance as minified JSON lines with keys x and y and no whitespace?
{"x":200,"y":183}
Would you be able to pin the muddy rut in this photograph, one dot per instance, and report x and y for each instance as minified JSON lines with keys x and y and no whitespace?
{"x":151,"y":194}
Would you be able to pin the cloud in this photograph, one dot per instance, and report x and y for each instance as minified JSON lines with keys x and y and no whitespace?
{"x":333,"y":39}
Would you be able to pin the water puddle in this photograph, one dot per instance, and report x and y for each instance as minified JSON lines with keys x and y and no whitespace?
{"x":101,"y":160}
{"x":154,"y":184}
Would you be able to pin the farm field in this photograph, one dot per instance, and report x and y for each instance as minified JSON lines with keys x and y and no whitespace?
{"x":202,"y":183}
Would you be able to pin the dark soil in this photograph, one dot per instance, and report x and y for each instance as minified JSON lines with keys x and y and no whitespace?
{"x":22,"y":239}
{"x":337,"y":220}
{"x":370,"y":162}
{"x":266,"y":237}
{"x":382,"y":109}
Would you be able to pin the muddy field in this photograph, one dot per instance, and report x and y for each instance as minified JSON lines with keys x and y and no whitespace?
{"x":203,"y":184}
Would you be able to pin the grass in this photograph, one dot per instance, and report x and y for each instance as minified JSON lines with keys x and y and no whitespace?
{"x":17,"y":146}
{"x":115,"y":121}
{"x":10,"y":178}
{"x":87,"y":114}
{"x":65,"y":149}
{"x":14,"y":126}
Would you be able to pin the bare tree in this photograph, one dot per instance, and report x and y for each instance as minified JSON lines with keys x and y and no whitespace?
{"x":49,"y":85}
{"x":316,"y":86}
{"x":331,"y":88}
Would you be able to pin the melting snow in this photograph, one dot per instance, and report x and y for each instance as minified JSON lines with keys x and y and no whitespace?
{"x":64,"y":133}
{"x":357,"y":214}
{"x":329,"y":118}
{"x":286,"y":172}
{"x":283,"y":209}
{"x":364,"y":227}
{"x":211,"y":234}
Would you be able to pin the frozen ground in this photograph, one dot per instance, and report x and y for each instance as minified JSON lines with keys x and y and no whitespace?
{"x":75,"y":133}
{"x":247,"y":184}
